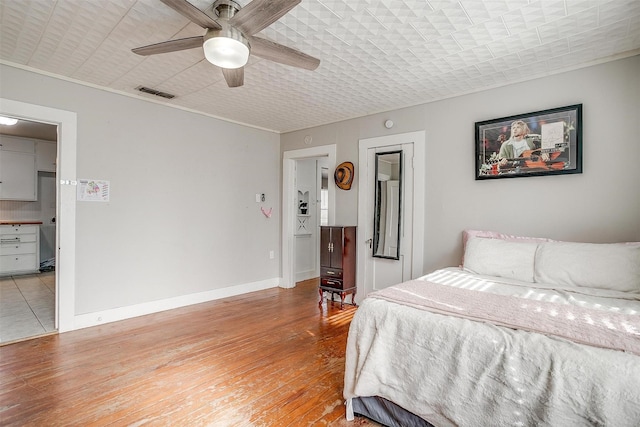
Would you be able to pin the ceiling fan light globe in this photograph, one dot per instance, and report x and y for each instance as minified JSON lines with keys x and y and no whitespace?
{"x":226,"y":52}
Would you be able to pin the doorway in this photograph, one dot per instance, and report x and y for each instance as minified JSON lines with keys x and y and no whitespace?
{"x":27,"y":297}
{"x":374,"y":272}
{"x":65,"y":208}
{"x":290,"y":203}
{"x":311,"y":177}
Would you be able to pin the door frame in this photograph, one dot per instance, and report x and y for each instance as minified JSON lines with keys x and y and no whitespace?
{"x":418,"y":164}
{"x":65,"y":201}
{"x":289,"y":203}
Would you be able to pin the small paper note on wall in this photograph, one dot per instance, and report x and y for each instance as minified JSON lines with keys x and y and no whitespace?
{"x":92,"y":190}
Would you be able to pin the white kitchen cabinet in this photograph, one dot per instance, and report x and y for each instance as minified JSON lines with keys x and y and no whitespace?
{"x":19,"y":248}
{"x":17,"y":169}
{"x":46,"y":154}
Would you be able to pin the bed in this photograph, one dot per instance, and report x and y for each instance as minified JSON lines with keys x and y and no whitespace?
{"x":526,"y":332}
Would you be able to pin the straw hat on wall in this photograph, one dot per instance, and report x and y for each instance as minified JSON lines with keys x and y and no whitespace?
{"x":344,"y":175}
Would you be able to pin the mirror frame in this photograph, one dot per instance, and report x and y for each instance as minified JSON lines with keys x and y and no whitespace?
{"x":376,"y":207}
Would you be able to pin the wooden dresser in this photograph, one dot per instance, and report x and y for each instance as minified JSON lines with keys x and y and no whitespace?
{"x":338,"y":262}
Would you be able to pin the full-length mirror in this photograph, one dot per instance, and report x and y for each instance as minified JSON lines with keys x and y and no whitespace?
{"x":386,"y":225}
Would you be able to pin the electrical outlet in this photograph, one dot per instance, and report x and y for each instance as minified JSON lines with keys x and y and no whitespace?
{"x":258,"y":198}
{"x":272,"y":255}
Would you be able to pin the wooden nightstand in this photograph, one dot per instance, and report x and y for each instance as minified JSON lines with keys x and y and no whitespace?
{"x":338,"y":262}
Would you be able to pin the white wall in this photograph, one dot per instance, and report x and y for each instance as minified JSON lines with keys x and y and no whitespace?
{"x":600,"y":205}
{"x":182,"y":218}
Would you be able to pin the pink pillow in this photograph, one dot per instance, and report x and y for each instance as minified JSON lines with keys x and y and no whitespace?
{"x":467,"y":234}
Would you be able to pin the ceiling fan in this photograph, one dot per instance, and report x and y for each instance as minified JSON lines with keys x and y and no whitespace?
{"x":230,"y":38}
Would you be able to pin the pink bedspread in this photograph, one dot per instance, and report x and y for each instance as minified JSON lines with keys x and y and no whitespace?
{"x":598,"y":328}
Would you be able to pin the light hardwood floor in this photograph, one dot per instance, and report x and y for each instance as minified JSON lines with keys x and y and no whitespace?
{"x":268,"y":358}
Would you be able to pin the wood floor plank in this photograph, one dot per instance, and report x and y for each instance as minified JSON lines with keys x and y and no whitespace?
{"x":268,"y":358}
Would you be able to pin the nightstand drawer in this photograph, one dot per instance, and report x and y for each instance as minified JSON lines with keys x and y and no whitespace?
{"x":331,"y":273}
{"x":331,"y":283}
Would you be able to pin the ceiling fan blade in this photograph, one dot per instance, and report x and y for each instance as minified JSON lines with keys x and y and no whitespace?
{"x":169,"y":46}
{"x":189,"y":11}
{"x":282,"y":54}
{"x":259,"y":14}
{"x":234,"y":76}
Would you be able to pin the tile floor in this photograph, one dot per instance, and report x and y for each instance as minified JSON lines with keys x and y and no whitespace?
{"x":27,"y":306}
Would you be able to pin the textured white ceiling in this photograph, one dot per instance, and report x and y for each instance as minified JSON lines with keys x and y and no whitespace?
{"x":375,"y":55}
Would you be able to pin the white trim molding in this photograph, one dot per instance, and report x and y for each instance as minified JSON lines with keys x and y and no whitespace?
{"x":130,"y":311}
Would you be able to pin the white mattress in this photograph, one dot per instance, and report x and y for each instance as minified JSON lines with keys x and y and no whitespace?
{"x":454,"y":371}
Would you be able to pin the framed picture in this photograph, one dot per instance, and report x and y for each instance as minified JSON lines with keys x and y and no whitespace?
{"x":545,"y":142}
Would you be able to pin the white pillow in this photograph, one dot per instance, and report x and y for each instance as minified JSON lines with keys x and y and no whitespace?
{"x":500,"y":258}
{"x":468,"y":234}
{"x":611,"y":266}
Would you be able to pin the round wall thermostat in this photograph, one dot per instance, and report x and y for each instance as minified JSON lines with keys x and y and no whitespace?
{"x":388,"y":124}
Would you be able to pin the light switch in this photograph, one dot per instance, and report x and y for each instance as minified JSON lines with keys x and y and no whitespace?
{"x":258,"y":198}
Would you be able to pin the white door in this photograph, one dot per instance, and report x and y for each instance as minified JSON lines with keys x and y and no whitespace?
{"x":376,"y":273}
{"x":383,"y":272}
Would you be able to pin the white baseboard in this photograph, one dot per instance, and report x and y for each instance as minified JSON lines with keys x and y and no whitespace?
{"x":121,"y":313}
{"x":306,"y":275}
